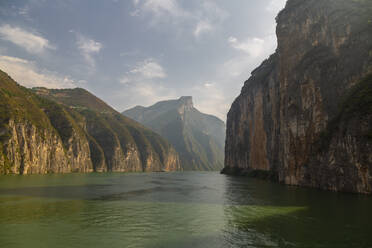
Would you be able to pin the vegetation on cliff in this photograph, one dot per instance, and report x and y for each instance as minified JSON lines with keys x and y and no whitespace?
{"x":81,"y":133}
{"x":112,"y":131}
{"x":356,"y":105}
{"x":305,"y":114}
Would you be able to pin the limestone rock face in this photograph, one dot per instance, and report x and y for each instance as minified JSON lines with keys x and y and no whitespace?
{"x":291,"y":103}
{"x":62,"y":131}
{"x":120,"y":144}
{"x":30,"y":152}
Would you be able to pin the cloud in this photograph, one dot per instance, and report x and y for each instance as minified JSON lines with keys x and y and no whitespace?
{"x":149,"y":69}
{"x":215,"y":95}
{"x":144,"y":93}
{"x":33,"y":43}
{"x":88,"y":48}
{"x":142,"y":82}
{"x":209,"y":17}
{"x":213,"y":11}
{"x":206,"y":16}
{"x":160,"y":7}
{"x":275,"y":6}
{"x":27,"y":73}
{"x":151,"y":93}
{"x":254,"y":51}
{"x":210,"y":98}
{"x":252,"y":46}
{"x":145,"y":71}
{"x":202,"y":27}
{"x":208,"y":85}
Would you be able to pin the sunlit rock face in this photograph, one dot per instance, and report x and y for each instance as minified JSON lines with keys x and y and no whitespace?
{"x":63,"y":131}
{"x":30,"y":150}
{"x":292,"y":121}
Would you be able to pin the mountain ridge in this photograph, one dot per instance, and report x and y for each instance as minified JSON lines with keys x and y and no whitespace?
{"x":71,"y":130}
{"x":198,"y":137}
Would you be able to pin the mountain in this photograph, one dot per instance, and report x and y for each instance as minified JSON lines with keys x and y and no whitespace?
{"x":62,"y":131}
{"x":197,"y":137}
{"x":304,"y":117}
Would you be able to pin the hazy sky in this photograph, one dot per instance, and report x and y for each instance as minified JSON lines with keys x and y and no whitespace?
{"x":137,"y":52}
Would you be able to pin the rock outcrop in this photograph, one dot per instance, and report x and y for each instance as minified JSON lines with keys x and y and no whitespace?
{"x":62,"y":131}
{"x":38,"y":137}
{"x":292,"y":121}
{"x":197,"y":137}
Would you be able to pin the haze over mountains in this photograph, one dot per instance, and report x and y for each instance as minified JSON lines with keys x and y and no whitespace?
{"x":198,"y":138}
{"x":70,"y":130}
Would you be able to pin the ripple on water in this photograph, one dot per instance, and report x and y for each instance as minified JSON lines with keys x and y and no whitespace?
{"x":176,"y":210}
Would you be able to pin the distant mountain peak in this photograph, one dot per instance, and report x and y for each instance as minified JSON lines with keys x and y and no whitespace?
{"x":186,"y":102}
{"x":199,"y":138}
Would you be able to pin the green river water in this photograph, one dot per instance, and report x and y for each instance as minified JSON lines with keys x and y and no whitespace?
{"x":191,"y":210}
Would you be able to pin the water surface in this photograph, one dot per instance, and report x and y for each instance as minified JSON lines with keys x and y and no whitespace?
{"x":193,"y":209}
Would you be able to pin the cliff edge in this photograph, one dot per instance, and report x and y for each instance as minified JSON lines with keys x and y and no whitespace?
{"x":304,"y":117}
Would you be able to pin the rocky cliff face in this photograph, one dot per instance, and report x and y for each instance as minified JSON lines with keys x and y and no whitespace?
{"x":31,"y":151}
{"x":40,"y":133}
{"x":120,"y":144}
{"x":289,"y":123}
{"x":197,"y":137}
{"x":33,"y":140}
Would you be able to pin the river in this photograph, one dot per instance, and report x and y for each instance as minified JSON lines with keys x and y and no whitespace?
{"x":189,"y":209}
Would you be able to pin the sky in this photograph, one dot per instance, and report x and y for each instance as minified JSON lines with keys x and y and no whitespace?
{"x":138,"y":52}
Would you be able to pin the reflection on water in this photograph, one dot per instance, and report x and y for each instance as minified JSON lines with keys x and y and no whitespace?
{"x":176,"y":210}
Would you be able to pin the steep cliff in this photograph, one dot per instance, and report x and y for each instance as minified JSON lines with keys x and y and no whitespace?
{"x":197,"y":137}
{"x":120,"y":144}
{"x":40,"y":134}
{"x":293,"y":121}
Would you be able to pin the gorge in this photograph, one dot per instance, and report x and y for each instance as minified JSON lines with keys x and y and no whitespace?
{"x":304,"y":117}
{"x":290,"y":167}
